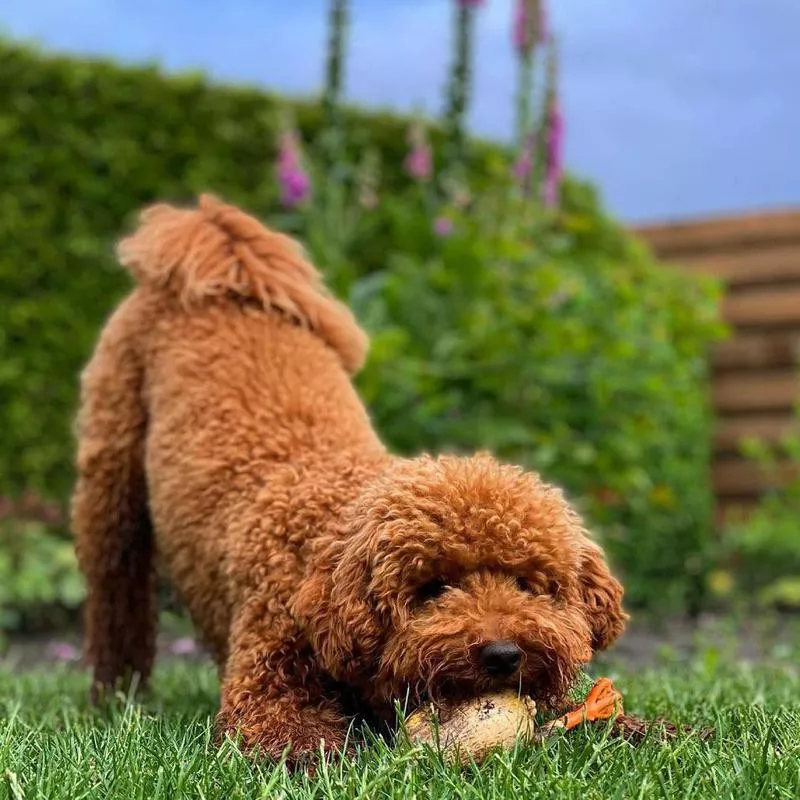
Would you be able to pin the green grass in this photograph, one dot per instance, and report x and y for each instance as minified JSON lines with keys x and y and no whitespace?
{"x":53,"y":746}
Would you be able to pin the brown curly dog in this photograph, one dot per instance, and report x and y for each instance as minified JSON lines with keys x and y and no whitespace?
{"x":221,"y":437}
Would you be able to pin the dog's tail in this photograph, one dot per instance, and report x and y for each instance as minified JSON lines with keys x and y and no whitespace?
{"x":216,"y":250}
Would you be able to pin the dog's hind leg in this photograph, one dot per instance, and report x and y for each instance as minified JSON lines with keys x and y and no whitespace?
{"x":110,"y":521}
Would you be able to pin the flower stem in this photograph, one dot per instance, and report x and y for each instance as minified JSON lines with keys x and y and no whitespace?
{"x":524,"y":95}
{"x":459,"y":89}
{"x":331,"y":102}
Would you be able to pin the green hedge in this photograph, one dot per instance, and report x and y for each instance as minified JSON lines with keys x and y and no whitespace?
{"x":83,"y":144}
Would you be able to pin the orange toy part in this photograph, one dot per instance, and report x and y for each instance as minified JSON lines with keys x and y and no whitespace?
{"x":603,"y":702}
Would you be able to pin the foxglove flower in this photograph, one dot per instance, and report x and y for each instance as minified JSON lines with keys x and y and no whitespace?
{"x":293,"y":179}
{"x":530,"y":26}
{"x":419,"y":161}
{"x":523,"y":166}
{"x":555,"y":147}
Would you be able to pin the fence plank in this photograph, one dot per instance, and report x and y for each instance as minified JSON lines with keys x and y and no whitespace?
{"x":755,"y":391}
{"x":724,"y":233}
{"x":736,"y":510}
{"x":730,"y":431}
{"x":758,"y":350}
{"x":763,"y":307}
{"x":739,"y":477}
{"x":772,"y":263}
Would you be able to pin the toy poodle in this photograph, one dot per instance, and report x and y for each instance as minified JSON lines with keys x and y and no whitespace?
{"x":220,"y":440}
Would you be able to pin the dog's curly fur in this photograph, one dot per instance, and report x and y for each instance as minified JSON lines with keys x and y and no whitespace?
{"x":220,"y":436}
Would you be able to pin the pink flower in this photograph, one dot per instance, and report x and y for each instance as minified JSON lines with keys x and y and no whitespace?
{"x":419,"y":161}
{"x":530,"y":25}
{"x":555,"y":146}
{"x":294,"y":181}
{"x":443,"y":226}
{"x":184,"y":646}
{"x":63,"y":651}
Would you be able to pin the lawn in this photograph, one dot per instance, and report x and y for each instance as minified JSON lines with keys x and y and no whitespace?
{"x":53,"y":746}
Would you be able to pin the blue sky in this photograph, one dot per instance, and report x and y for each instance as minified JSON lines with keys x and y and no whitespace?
{"x":674,"y":107}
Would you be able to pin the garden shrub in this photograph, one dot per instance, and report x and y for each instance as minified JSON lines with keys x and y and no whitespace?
{"x":39,"y":582}
{"x":763,"y":549}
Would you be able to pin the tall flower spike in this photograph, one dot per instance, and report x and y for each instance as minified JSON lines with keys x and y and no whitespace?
{"x":554,"y":133}
{"x":523,"y":166}
{"x":528,"y":31}
{"x":459,"y":87}
{"x":331,"y":142}
{"x":529,"y":25}
{"x":419,"y":161}
{"x":368,"y":179}
{"x":555,"y":144}
{"x":292,"y":177}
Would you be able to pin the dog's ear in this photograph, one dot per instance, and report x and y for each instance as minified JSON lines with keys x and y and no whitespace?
{"x":601,"y":594}
{"x":333,"y":608}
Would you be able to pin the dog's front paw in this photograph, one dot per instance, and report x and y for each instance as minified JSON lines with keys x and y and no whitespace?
{"x":303,"y":737}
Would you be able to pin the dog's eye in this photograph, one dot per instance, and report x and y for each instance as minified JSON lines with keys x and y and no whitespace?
{"x":550,"y":588}
{"x":524,"y":585}
{"x":431,"y":590}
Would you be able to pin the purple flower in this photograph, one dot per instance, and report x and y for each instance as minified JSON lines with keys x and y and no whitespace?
{"x":530,"y":25}
{"x":443,"y":226}
{"x":296,"y":187}
{"x":555,"y":145}
{"x":470,"y":3}
{"x":63,"y":651}
{"x":419,"y":161}
{"x":184,"y":646}
{"x":544,"y":23}
{"x":294,"y":181}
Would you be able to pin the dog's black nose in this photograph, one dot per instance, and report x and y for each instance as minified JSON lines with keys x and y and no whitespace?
{"x":501,"y":658}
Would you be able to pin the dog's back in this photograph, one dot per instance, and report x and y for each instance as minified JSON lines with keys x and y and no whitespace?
{"x":227,"y":363}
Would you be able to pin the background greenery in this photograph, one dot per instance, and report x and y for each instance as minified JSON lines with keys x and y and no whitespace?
{"x":763,"y":550}
{"x":552,"y":338}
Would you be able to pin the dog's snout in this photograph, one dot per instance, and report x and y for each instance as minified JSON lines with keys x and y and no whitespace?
{"x":501,"y":658}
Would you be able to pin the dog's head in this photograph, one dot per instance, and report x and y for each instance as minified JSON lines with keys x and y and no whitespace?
{"x":456,"y":576}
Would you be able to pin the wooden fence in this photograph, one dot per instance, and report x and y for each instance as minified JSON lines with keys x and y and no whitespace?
{"x":756,"y":371}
